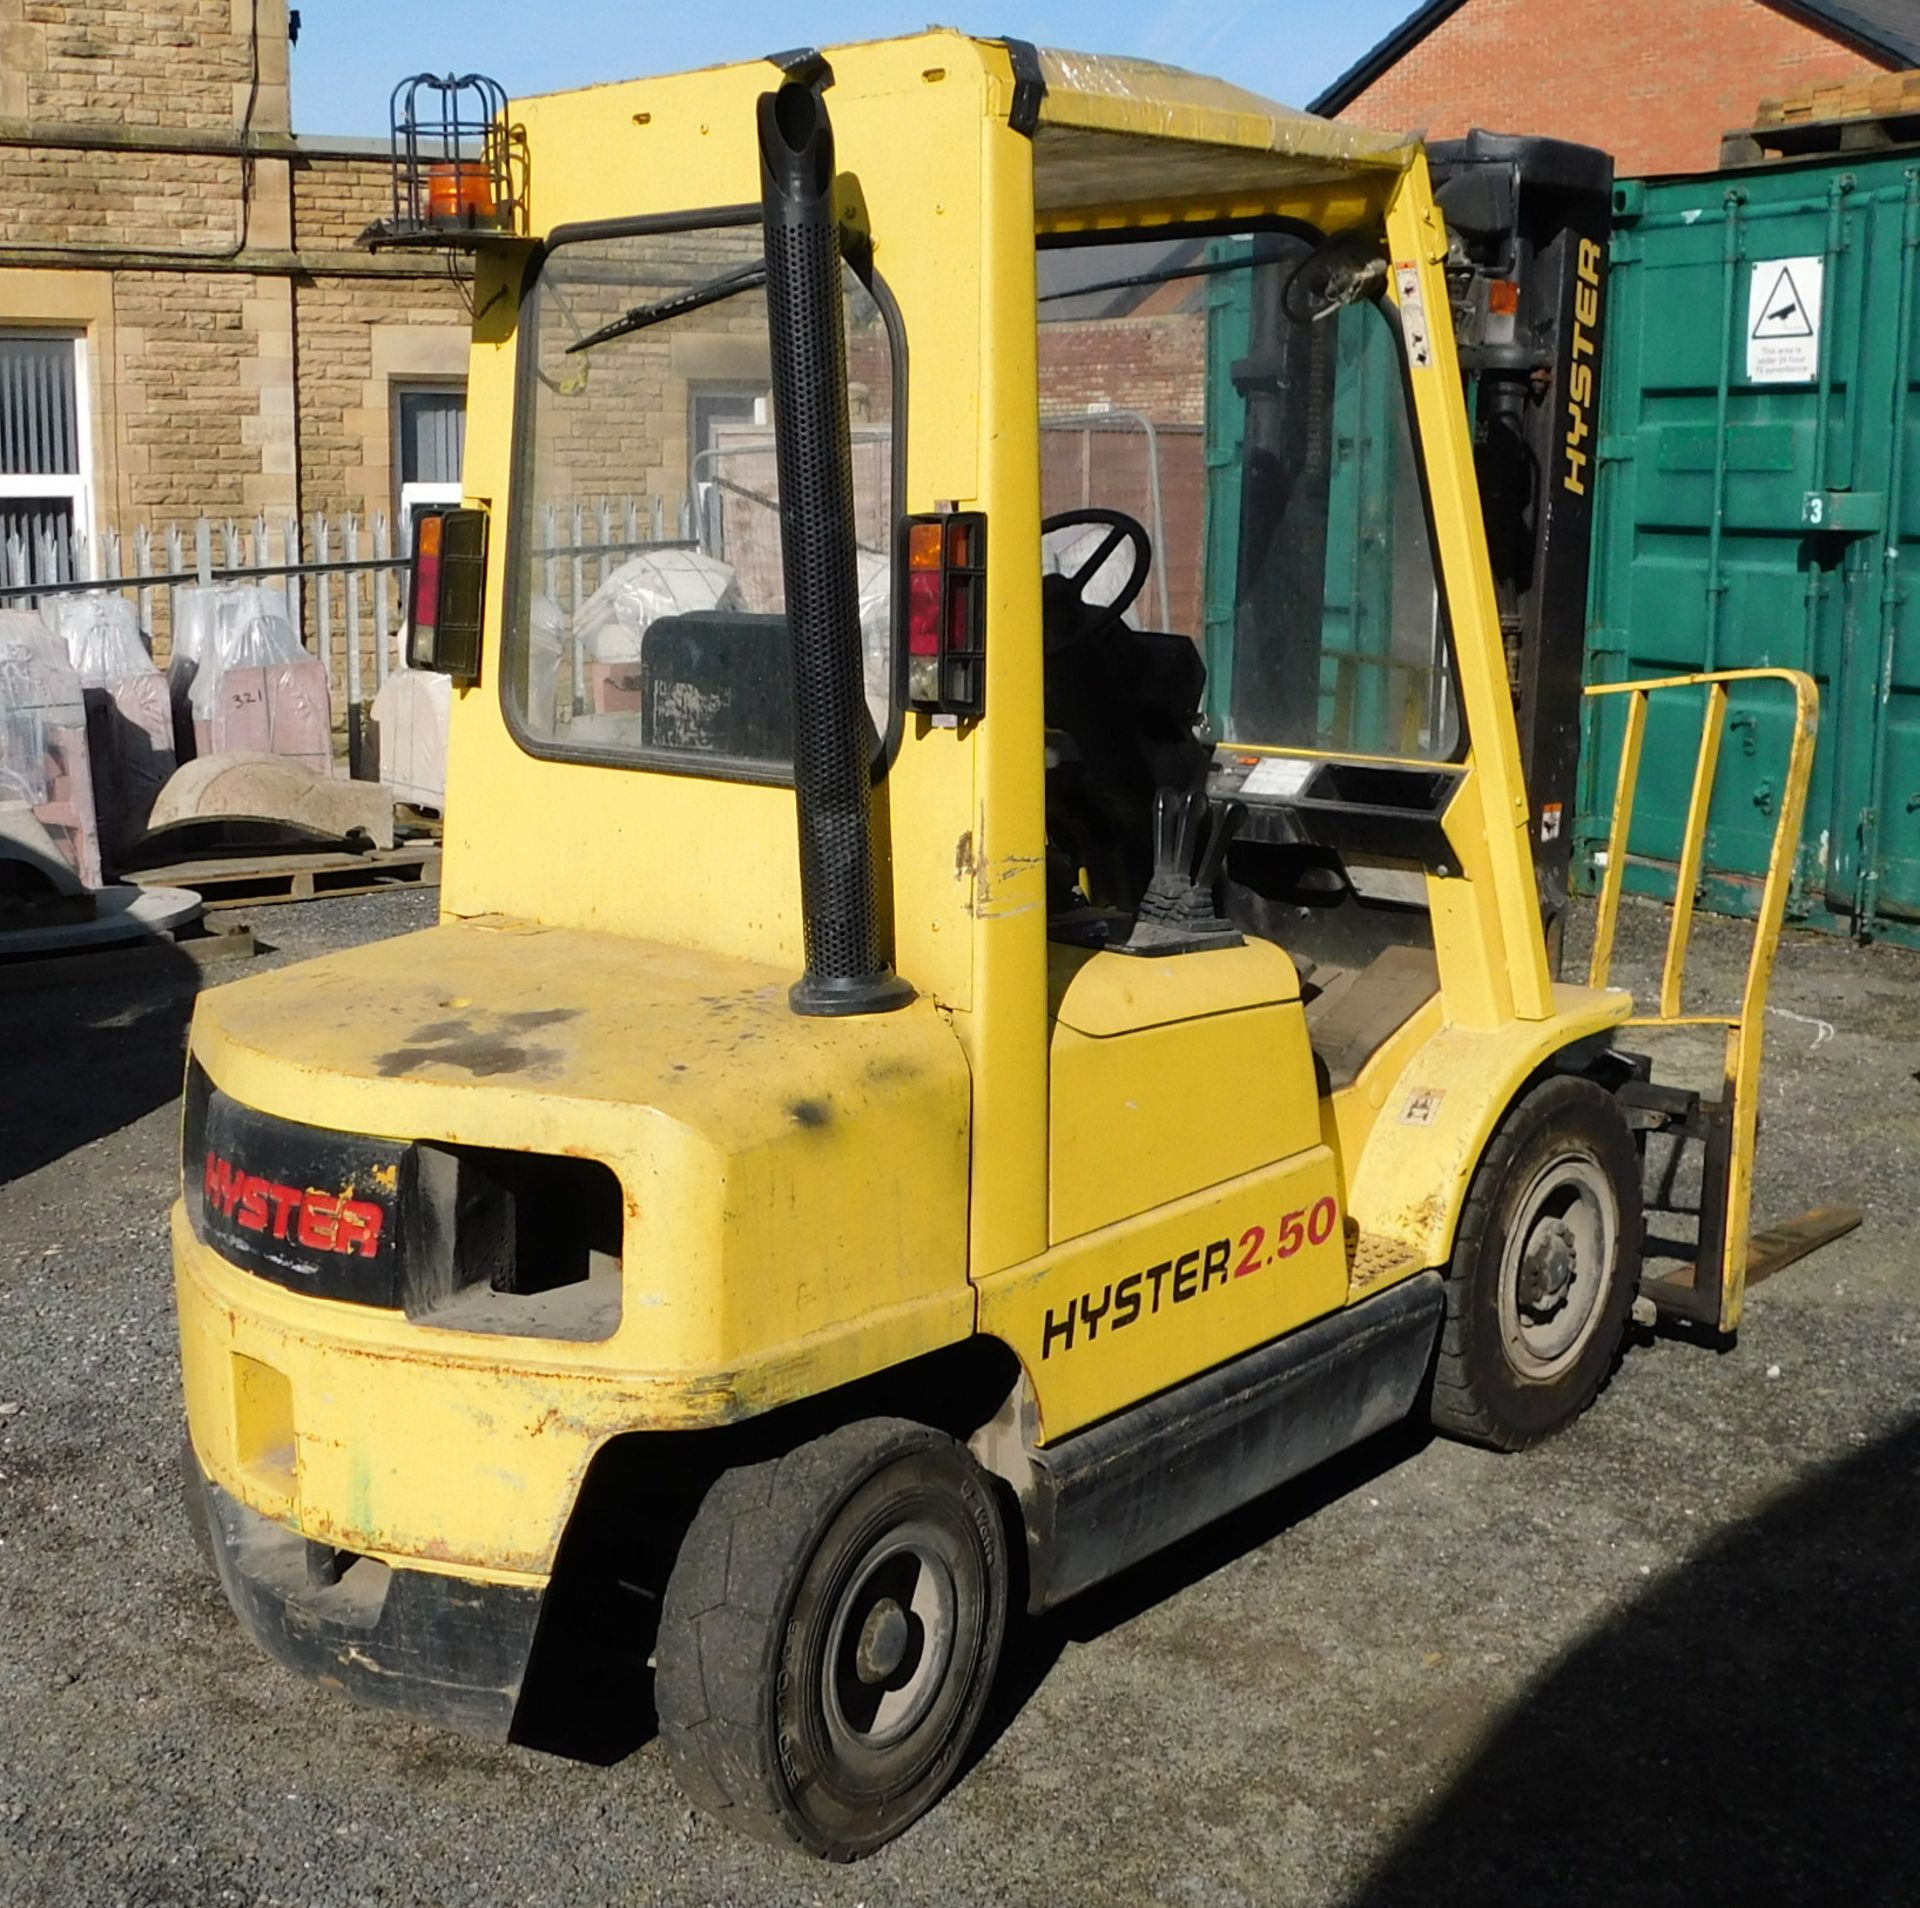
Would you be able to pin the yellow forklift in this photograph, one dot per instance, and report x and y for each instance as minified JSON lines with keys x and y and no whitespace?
{"x":1133,"y":1091}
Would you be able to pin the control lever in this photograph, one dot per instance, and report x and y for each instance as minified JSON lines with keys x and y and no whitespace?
{"x":1190,"y":841}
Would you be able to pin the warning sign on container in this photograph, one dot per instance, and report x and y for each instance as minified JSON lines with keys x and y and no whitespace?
{"x":1783,"y":321}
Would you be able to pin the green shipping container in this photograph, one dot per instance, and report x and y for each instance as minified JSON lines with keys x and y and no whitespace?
{"x":1758,"y":503}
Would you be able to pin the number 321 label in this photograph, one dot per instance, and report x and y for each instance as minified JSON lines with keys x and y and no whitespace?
{"x":1214,"y":1266}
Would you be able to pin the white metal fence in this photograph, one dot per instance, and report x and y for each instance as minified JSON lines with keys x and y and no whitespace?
{"x":344,"y":577}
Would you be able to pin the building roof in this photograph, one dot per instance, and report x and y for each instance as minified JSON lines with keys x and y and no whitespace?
{"x":1884,"y":30}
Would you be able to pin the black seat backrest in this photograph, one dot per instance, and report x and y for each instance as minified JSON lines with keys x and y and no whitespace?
{"x":1128,"y":699}
{"x":720,"y":683}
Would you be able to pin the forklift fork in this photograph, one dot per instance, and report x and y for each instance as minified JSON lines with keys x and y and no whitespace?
{"x":1728,"y":1257}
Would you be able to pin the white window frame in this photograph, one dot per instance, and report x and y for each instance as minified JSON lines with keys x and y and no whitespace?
{"x":75,"y":486}
{"x":406,"y":495}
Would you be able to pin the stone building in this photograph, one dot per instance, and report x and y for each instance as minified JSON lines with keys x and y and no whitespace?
{"x":186,"y":327}
{"x":1654,"y":82}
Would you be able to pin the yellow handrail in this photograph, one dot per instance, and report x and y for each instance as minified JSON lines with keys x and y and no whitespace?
{"x":1746,"y":1029}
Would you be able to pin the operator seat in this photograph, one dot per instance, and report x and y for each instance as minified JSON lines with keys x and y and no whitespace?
{"x":1120,"y":713}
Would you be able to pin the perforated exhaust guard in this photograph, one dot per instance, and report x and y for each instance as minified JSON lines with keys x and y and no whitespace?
{"x":849,"y":966}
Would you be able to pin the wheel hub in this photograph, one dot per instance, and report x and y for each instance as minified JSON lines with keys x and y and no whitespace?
{"x":1557,"y":1262}
{"x":1547,"y":1268}
{"x":891,"y":1642}
{"x":884,"y":1638}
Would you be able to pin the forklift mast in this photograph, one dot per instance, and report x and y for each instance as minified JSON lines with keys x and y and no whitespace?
{"x":1528,"y":222}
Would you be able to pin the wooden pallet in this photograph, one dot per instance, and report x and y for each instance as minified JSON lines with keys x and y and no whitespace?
{"x":1866,"y":116}
{"x":1877,"y":96}
{"x":232,"y":883}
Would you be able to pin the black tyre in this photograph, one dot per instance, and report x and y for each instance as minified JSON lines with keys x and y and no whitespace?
{"x":1543,"y":1272}
{"x":830,"y":1634}
{"x":193,"y":1499}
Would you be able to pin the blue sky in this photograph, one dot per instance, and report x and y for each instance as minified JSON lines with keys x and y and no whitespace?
{"x":352,"y":51}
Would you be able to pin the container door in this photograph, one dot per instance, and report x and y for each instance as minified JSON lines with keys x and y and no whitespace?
{"x":1740,"y":509}
{"x":1886,"y":762}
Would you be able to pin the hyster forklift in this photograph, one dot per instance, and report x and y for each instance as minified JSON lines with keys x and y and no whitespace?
{"x":1148,"y":1077}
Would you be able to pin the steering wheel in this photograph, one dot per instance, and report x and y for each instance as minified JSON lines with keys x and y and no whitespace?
{"x":1066,"y":614}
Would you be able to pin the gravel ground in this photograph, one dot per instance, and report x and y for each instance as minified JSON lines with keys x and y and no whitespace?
{"x":1668,"y":1658}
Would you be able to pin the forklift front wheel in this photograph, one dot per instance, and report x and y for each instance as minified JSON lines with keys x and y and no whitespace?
{"x":1544,"y":1270}
{"x":830,"y":1634}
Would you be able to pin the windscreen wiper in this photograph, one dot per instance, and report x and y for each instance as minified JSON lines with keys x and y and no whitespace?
{"x":694,"y":298}
{"x":1161,"y":275}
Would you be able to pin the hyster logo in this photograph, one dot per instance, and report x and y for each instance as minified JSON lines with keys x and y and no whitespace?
{"x":1187,"y":1277}
{"x":323,"y":1221}
{"x":1580,"y":371}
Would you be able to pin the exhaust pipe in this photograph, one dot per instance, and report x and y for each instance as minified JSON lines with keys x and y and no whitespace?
{"x":849,"y":969}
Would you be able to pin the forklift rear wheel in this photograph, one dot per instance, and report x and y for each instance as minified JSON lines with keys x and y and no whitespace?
{"x":830,"y":1633}
{"x":1543,"y":1271}
{"x":193,"y":1499}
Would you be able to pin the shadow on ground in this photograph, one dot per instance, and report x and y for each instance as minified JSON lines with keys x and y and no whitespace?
{"x":1748,"y":1731}
{"x":82,"y":1059}
{"x":1035,"y":1645}
{"x":589,"y":1692}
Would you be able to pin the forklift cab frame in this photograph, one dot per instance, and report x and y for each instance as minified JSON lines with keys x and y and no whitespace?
{"x":1020,"y":1227}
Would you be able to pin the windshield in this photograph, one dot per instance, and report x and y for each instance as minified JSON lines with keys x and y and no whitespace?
{"x":1258,"y":428}
{"x":647,"y":622}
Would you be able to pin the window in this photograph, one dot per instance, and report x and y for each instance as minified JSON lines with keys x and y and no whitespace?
{"x":431,"y":425}
{"x":430,"y":439}
{"x":646,"y":622}
{"x":714,"y":408}
{"x":725,"y":424}
{"x":1267,"y":450}
{"x":46,"y":451}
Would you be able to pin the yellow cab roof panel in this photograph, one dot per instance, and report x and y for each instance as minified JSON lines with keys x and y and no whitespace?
{"x":1125,"y":131}
{"x":1113,"y":133}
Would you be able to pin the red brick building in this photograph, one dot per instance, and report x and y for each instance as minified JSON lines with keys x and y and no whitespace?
{"x":1654,"y":82}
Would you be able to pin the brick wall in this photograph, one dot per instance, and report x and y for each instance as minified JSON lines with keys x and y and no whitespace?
{"x":200,"y":63}
{"x":334,"y":200}
{"x":1654,"y":82}
{"x":51,"y":196}
{"x":182,"y":344}
{"x":1155,"y":364}
{"x":345,"y":380}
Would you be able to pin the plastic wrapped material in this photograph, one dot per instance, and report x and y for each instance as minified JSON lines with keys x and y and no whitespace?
{"x":129,"y":718}
{"x":547,"y":630}
{"x":876,"y":634}
{"x":253,"y":686}
{"x":43,"y":740}
{"x":102,"y":632}
{"x":411,"y":713}
{"x":1132,"y":132}
{"x":614,"y":619}
{"x":193,"y":620}
{"x":660,"y":583}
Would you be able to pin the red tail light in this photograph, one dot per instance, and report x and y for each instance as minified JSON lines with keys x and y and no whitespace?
{"x":946,"y":566}
{"x":447,"y":593}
